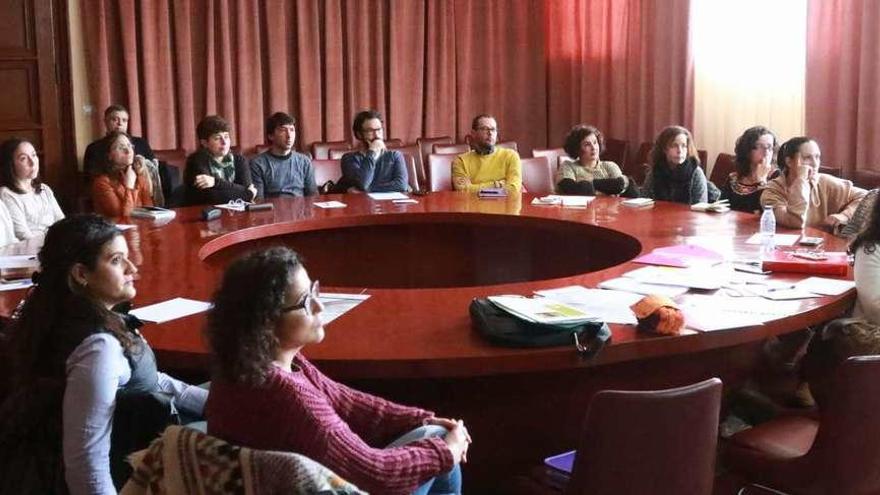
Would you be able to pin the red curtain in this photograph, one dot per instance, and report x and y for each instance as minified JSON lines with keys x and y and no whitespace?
{"x":428,"y":65}
{"x":843,"y":82}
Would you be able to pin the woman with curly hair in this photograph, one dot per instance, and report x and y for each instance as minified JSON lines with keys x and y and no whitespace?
{"x":866,"y":269}
{"x":675,"y":173}
{"x":265,"y":312}
{"x":755,"y":151}
{"x":585,"y":173}
{"x":124,"y":182}
{"x":82,"y":375}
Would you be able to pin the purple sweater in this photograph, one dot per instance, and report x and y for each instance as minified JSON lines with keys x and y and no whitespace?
{"x":306,"y":412}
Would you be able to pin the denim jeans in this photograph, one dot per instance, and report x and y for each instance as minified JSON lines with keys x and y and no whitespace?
{"x":444,"y":483}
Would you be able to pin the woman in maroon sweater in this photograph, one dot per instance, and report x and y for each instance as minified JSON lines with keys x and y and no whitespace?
{"x":267,"y":395}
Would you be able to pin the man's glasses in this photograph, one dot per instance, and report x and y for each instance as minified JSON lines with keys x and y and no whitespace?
{"x":307,"y":300}
{"x":487,"y":129}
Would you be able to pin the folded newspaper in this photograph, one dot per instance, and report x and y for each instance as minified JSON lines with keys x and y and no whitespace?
{"x":541,"y":310}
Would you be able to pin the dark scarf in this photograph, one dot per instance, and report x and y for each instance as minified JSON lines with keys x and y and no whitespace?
{"x":674,"y":184}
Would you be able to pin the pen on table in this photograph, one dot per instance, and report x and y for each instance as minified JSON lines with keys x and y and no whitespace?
{"x":783,"y":287}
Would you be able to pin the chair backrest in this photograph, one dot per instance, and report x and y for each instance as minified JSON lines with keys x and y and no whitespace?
{"x":847,"y":445}
{"x":411,"y":172}
{"x":835,"y":171}
{"x":393,"y":143}
{"x":511,"y":145}
{"x":326,"y":170}
{"x":261,"y":148}
{"x":724,"y":165}
{"x":413,"y":151}
{"x":450,"y":149}
{"x":174,"y":157}
{"x":537,"y":175}
{"x":703,"y":155}
{"x":616,"y":151}
{"x":440,"y":175}
{"x":553,"y":155}
{"x":649,"y":442}
{"x":638,"y":167}
{"x":321,"y":150}
{"x":866,"y":179}
{"x":426,"y":145}
{"x":336,"y":154}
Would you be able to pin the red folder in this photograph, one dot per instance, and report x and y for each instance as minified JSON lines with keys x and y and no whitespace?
{"x":835,"y":265}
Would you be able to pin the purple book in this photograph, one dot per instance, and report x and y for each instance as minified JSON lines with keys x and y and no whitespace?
{"x":563,"y":462}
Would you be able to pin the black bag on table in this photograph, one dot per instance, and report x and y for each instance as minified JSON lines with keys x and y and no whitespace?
{"x":502,"y":328}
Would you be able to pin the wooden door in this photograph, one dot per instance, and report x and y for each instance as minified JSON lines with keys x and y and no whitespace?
{"x":34,"y":87}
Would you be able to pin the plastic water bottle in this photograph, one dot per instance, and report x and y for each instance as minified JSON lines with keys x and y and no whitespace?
{"x":767,"y":231}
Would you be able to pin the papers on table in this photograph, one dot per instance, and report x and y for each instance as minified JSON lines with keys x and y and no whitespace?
{"x":696,"y":278}
{"x":387,"y":196}
{"x":406,"y":201}
{"x":329,"y":204}
{"x":22,"y":283}
{"x":778,"y":239}
{"x":681,"y":255}
{"x":826,"y":286}
{"x":638,"y":202}
{"x":541,"y":310}
{"x":566,"y":201}
{"x":636,"y":287}
{"x":336,"y":305}
{"x":171,"y":309}
{"x":721,"y":206}
{"x":19,"y":261}
{"x":233,"y":205}
{"x":708,"y":313}
{"x":610,"y":306}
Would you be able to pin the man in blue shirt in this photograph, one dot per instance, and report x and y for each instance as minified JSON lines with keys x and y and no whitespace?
{"x":373,"y":168}
{"x":280,"y":170}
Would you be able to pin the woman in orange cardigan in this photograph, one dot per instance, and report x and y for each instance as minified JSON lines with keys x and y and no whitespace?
{"x":124,"y":183}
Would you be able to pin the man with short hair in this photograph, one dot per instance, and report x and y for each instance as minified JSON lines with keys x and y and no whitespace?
{"x":115,"y":120}
{"x":213,"y":175}
{"x":373,"y":168}
{"x":486,"y":165}
{"x":279,"y":170}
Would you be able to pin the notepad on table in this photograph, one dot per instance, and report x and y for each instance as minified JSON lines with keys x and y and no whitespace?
{"x":330,"y":204}
{"x":387,"y":196}
{"x":171,"y":309}
{"x":541,"y":310}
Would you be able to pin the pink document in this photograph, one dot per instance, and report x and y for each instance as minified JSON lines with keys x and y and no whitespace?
{"x":681,"y":256}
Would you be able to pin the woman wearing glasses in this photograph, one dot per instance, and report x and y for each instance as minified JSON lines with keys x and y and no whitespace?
{"x":803,"y":197}
{"x":754,"y":151}
{"x":675,"y":173}
{"x":267,"y":395}
{"x":124,"y":183}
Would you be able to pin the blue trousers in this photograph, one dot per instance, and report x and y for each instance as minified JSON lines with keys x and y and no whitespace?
{"x":444,"y":483}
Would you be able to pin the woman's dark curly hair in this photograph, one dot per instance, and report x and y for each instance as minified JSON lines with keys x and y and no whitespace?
{"x":577,"y":134}
{"x":789,"y":149}
{"x":241,"y":325}
{"x":746,"y":143}
{"x":7,"y":166}
{"x":58,"y":313}
{"x":107,"y":167}
{"x":869,"y":237}
{"x":666,"y":136}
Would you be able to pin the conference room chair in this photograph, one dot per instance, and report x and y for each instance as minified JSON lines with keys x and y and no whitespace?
{"x":337,"y":154}
{"x":637,"y":442}
{"x":703,"y":155}
{"x":412,"y":174}
{"x":261,"y":148}
{"x":511,"y":145}
{"x":393,"y":143}
{"x":172,"y":163}
{"x":450,"y":149}
{"x":724,"y":165}
{"x":537,"y":175}
{"x":440,"y":172}
{"x":616,"y":151}
{"x":321,"y":150}
{"x":326,"y":170}
{"x":414,"y":151}
{"x":639,"y":167}
{"x":866,"y":179}
{"x":837,"y":453}
{"x":554,"y":155}
{"x":426,"y":146}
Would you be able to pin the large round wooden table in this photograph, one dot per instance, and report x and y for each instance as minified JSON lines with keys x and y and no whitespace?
{"x":422,"y":264}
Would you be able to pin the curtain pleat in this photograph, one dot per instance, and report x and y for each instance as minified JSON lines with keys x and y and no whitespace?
{"x":428,"y":65}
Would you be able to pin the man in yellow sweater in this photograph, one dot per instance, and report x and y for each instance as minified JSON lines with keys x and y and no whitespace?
{"x":485,"y":165}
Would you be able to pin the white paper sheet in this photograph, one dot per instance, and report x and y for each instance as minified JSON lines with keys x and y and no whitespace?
{"x":705,"y":278}
{"x":610,"y":306}
{"x":717,"y":312}
{"x":387,"y":196}
{"x":636,"y":287}
{"x":778,"y":239}
{"x":19,"y":261}
{"x":330,"y":204}
{"x":826,"y":286}
{"x":336,"y":305}
{"x":406,"y":201}
{"x":16,"y":284}
{"x":171,"y":309}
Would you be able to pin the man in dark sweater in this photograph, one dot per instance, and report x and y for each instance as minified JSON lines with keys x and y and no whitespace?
{"x":115,"y":120}
{"x":213,"y":175}
{"x":373,"y":168}
{"x":280,"y":170}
